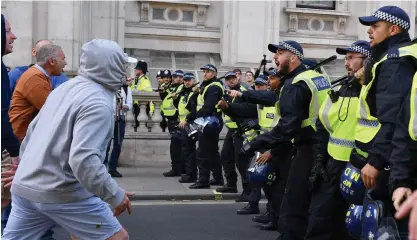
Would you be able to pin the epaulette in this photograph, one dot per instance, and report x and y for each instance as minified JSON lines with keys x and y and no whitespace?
{"x":393,"y":53}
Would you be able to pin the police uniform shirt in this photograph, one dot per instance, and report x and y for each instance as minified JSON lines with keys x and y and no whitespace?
{"x":392,"y":84}
{"x":262,"y":97}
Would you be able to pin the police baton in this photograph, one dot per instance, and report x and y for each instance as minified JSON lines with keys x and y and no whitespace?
{"x":324,"y":62}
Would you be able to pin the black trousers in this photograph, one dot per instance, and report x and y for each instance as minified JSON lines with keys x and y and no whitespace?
{"x":208,"y":157}
{"x":232,"y":158}
{"x":175,"y":146}
{"x":328,"y":207}
{"x":189,"y":155}
{"x":293,"y":215}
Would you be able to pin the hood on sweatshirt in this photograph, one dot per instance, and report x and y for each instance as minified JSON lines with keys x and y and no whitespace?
{"x":3,"y":35}
{"x":104,"y":62}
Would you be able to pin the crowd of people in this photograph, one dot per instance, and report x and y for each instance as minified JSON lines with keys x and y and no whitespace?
{"x":336,"y":160}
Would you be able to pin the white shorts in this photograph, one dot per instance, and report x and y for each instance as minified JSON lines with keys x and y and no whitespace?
{"x":87,"y":219}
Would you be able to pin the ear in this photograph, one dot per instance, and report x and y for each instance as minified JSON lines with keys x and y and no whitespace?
{"x":394,"y":29}
{"x":51,"y":61}
{"x":33,"y":52}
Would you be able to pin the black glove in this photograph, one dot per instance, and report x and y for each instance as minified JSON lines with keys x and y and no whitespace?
{"x":250,"y":125}
{"x":318,"y":172}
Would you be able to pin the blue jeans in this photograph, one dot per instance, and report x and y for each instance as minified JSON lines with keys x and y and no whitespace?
{"x":5,"y":217}
{"x":117,"y":146}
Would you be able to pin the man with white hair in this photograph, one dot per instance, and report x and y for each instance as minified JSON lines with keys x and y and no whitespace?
{"x":34,"y":87}
{"x":17,"y":72}
{"x":61,"y":172}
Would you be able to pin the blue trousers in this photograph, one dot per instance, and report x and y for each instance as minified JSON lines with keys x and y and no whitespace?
{"x":5,"y":217}
{"x":117,"y":146}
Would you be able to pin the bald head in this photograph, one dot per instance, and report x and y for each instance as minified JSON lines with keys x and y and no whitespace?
{"x":38,"y":45}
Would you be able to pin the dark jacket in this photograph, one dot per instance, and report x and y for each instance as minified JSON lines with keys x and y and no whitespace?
{"x":8,"y":139}
{"x":392,"y":83}
{"x":211,"y":98}
{"x":262,"y":97}
{"x":294,"y":107}
{"x":403,"y":158}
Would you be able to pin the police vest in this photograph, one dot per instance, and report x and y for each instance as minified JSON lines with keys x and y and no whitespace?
{"x":412,"y":126}
{"x":182,"y":110}
{"x":267,"y":118}
{"x":167,"y":105}
{"x":143,"y":84}
{"x":227,"y":120}
{"x":200,"y":98}
{"x":368,"y":125}
{"x":319,"y":85}
{"x":339,"y":119}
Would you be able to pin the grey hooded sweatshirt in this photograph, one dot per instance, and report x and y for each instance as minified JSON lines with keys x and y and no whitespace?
{"x":63,"y":152}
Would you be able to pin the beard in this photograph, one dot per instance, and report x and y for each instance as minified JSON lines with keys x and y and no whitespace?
{"x":284,"y":68}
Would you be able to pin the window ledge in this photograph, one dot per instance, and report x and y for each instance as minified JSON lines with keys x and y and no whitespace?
{"x":195,"y":3}
{"x":317,"y":11}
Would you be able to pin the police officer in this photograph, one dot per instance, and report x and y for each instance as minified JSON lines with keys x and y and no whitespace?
{"x":403,"y":160}
{"x":230,"y":157}
{"x":211,"y":91}
{"x":301,"y":96}
{"x":141,"y":83}
{"x":387,"y":80}
{"x":170,"y":112}
{"x":268,"y":117}
{"x":336,"y":129}
{"x":187,"y":109}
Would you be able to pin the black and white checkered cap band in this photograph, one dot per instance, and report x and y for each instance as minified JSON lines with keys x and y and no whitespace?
{"x":359,"y":49}
{"x":292,"y":49}
{"x":392,"y":19}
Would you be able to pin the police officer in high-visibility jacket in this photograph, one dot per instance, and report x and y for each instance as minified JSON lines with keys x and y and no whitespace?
{"x":187,"y":110}
{"x":336,"y":129}
{"x":268,"y":117}
{"x":171,"y":113}
{"x":211,"y":91}
{"x":386,"y":84}
{"x":299,"y":102}
{"x":141,"y":83}
{"x":403,"y":160}
{"x":230,"y":156}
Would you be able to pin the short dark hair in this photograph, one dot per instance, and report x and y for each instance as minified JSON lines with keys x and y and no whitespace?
{"x":249,"y":71}
{"x":237,"y":70}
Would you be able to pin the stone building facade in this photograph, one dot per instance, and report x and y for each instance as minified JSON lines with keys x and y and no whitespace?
{"x":187,"y":34}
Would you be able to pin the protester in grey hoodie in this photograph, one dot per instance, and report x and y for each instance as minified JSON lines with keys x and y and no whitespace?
{"x":63,"y":152}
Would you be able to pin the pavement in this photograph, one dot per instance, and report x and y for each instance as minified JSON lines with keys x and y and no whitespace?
{"x":148,"y":183}
{"x":188,"y":220}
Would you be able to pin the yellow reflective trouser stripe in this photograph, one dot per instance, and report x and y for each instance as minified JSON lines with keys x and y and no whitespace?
{"x":342,"y":142}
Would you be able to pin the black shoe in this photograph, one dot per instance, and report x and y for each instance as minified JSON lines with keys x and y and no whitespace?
{"x":199,"y":185}
{"x":214,"y":182}
{"x":227,"y":189}
{"x":244,"y":197}
{"x":271,"y":226}
{"x":115,"y":174}
{"x":264,"y":218}
{"x":249,"y":209}
{"x":186,"y":179}
{"x":171,"y":173}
